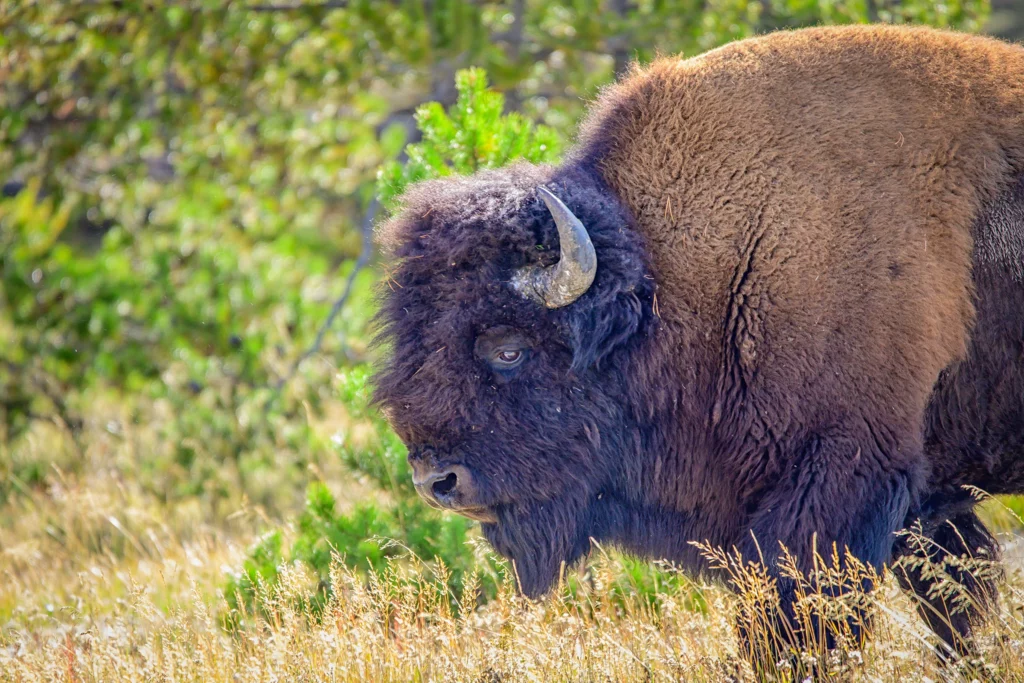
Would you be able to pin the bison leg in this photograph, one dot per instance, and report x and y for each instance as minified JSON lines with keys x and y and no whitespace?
{"x":950,"y":566}
{"x":835,"y":505}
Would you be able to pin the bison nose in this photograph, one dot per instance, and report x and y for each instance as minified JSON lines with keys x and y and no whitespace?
{"x":449,"y":487}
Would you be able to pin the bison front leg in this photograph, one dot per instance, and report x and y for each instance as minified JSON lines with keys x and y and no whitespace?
{"x":950,"y":565}
{"x":824,"y":533}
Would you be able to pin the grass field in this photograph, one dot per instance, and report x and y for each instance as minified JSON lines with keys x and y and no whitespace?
{"x":194,"y":485}
{"x":100,"y":581}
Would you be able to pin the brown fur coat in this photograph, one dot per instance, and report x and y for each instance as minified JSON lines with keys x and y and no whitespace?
{"x":822,"y":185}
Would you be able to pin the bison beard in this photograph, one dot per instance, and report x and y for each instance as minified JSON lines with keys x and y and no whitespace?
{"x":539,"y":539}
{"x":797,"y":330}
{"x":543,"y":539}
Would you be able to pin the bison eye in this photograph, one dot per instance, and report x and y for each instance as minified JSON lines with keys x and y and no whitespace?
{"x":508,"y":357}
{"x":503,"y":349}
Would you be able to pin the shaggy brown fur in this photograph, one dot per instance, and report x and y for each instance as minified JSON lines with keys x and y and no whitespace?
{"x":824,"y":185}
{"x":834,"y":226}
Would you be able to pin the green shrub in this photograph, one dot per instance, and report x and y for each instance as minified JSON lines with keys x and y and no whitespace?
{"x":472,"y":135}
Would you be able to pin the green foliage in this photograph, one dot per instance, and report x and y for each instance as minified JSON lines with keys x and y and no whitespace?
{"x":175,"y":313}
{"x":472,"y":136}
{"x":383,"y":459}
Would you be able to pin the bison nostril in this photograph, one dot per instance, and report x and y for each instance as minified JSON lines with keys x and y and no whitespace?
{"x":445,"y":487}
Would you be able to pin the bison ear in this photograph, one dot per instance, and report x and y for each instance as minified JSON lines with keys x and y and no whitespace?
{"x":613,"y":320}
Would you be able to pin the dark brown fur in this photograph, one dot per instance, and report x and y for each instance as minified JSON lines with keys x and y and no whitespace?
{"x":808,"y":317}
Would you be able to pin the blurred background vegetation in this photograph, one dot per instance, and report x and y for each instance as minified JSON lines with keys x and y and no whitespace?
{"x":188,"y":190}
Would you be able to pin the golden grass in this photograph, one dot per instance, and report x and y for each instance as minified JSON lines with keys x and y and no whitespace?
{"x":78,"y":606}
{"x":101,"y":582}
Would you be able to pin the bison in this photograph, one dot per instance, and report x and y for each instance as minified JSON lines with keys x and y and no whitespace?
{"x":774,"y":294}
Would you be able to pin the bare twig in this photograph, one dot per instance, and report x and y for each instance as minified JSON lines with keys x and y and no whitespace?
{"x":514,"y":40}
{"x":339,"y":303}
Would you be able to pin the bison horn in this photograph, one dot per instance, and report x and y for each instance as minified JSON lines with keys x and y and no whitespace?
{"x":564,"y":282}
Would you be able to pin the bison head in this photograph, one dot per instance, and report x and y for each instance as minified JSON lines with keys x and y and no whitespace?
{"x":513,"y":305}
